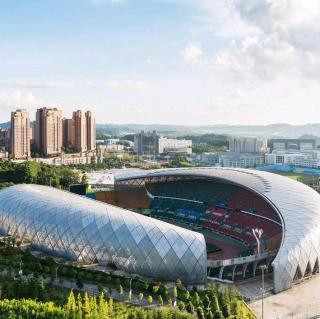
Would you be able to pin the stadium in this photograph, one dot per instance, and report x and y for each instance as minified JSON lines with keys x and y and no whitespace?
{"x":188,"y":223}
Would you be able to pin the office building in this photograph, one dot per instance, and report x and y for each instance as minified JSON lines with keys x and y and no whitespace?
{"x":292,"y":144}
{"x":20,"y":134}
{"x":48,"y":131}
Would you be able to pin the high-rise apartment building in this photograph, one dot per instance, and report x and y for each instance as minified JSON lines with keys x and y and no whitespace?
{"x":48,"y":131}
{"x":20,"y":134}
{"x":68,"y":131}
{"x":91,"y":131}
{"x":152,"y":143}
{"x":248,"y":145}
{"x":80,"y":129}
{"x":147,"y":143}
{"x":5,"y":139}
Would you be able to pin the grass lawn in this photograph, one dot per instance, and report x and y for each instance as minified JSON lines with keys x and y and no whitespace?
{"x":307,"y":179}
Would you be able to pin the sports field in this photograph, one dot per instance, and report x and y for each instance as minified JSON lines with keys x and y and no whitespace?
{"x":306,"y":179}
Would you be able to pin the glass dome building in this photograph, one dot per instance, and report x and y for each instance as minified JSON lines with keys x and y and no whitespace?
{"x":74,"y":227}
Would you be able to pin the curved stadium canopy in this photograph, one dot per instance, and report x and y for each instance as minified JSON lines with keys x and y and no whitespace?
{"x":297,"y":205}
{"x":77,"y":228}
{"x":71,"y":226}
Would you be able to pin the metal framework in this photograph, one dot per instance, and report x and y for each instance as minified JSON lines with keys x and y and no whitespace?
{"x":297,"y":205}
{"x":77,"y":228}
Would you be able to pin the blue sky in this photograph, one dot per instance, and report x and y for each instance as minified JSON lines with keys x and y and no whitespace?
{"x":169,"y":61}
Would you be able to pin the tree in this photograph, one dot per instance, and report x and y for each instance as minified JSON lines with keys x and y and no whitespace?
{"x":71,"y":306}
{"x":181,"y":306}
{"x":200,"y":313}
{"x":103,"y":306}
{"x":140,"y":296}
{"x":196,"y":299}
{"x":79,"y":307}
{"x":175,"y":293}
{"x":150,"y":299}
{"x":234,"y":307}
{"x":209,"y":315}
{"x":120,"y":289}
{"x":226,"y":310}
{"x":215,"y":304}
{"x":190,"y":307}
{"x":84,"y":179}
{"x":155,"y":289}
{"x":160,"y":300}
{"x":206,"y":302}
{"x":86,"y":307}
{"x":218,"y":315}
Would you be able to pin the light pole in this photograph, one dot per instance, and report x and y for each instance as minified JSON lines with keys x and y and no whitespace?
{"x":56,"y":273}
{"x":257,"y":233}
{"x":130,"y":291}
{"x":20,"y":270}
{"x":263,"y":268}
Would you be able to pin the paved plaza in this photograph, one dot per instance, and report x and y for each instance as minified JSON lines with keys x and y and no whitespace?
{"x":300,"y":302}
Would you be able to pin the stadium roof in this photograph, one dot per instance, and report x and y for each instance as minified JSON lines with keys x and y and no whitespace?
{"x":78,"y":228}
{"x":297,"y":205}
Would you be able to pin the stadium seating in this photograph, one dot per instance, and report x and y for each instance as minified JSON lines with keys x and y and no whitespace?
{"x":225,"y":209}
{"x":204,"y":191}
{"x":222,"y":208}
{"x":247,"y":201}
{"x":129,"y":198}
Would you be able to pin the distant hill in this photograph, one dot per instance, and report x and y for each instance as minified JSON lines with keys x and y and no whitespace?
{"x":309,"y":136}
{"x":5,"y":125}
{"x":271,"y":131}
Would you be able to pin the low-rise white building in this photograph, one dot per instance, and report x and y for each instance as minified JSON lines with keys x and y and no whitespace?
{"x":309,"y":159}
{"x":241,"y":160}
{"x":172,"y":144}
{"x":230,"y":159}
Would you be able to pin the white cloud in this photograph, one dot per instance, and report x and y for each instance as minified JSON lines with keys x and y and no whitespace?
{"x":223,"y":20}
{"x":11,"y":100}
{"x":284,"y":46}
{"x":120,"y":85}
{"x":38,"y":84}
{"x":192,"y":54}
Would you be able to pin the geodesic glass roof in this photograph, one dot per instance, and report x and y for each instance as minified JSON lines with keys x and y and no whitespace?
{"x":74,"y":227}
{"x":297,"y":204}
